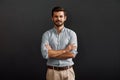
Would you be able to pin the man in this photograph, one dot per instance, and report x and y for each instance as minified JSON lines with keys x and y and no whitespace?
{"x":59,"y":46}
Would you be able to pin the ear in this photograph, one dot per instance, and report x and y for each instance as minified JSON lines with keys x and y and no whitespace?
{"x":65,"y":18}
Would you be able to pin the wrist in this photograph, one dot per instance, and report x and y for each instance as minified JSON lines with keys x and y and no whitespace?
{"x":66,"y":50}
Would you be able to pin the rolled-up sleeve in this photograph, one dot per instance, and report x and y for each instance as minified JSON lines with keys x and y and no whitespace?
{"x":73,"y":40}
{"x":45,"y":41}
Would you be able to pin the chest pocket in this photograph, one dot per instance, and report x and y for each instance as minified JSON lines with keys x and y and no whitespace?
{"x":64,"y":41}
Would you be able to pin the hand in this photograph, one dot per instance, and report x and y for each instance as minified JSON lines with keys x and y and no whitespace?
{"x":48,"y":47}
{"x":70,"y":47}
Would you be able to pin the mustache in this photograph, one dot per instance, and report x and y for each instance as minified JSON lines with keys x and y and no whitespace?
{"x":58,"y":21}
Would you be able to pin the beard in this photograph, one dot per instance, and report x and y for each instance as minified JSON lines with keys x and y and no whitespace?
{"x":58,"y":23}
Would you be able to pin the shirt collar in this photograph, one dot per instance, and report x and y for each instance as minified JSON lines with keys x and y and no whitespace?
{"x":61,"y":30}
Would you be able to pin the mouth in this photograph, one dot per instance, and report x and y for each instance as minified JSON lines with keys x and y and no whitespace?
{"x":58,"y":21}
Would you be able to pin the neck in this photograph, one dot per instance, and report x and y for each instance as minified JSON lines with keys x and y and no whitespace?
{"x":59,"y":28}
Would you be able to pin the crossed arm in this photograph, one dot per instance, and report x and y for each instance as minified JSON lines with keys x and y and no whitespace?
{"x":61,"y":54}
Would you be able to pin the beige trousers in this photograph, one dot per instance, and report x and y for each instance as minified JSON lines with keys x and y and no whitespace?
{"x":60,"y":75}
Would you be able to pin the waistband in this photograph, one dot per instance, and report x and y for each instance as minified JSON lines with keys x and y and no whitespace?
{"x":59,"y":68}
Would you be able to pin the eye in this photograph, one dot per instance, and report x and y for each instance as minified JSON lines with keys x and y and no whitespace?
{"x":61,"y":16}
{"x":55,"y":16}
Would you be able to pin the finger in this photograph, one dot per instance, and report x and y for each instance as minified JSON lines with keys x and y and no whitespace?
{"x":46,"y":44}
{"x":74,"y":47}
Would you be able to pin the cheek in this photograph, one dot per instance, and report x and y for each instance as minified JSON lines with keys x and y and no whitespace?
{"x":54,"y":19}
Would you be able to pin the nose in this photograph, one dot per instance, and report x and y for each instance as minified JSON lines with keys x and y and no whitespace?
{"x":58,"y":18}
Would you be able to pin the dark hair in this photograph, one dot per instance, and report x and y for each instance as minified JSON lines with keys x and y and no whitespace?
{"x":57,"y":9}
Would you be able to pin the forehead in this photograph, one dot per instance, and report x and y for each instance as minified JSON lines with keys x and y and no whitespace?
{"x":57,"y":13}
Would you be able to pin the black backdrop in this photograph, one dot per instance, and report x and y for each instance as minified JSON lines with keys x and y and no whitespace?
{"x":96,"y":23}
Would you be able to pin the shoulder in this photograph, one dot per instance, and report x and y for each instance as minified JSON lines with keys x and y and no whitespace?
{"x":70,"y":31}
{"x":48,"y":32}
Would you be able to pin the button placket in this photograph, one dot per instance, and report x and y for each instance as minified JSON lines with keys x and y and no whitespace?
{"x":58,"y":46}
{"x":58,"y":41}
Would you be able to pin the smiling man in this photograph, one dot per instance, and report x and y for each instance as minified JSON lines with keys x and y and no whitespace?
{"x":59,"y":47}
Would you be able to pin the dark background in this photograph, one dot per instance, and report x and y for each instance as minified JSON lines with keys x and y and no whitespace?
{"x":96,"y":23}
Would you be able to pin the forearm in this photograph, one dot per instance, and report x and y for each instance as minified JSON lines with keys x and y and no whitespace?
{"x":61,"y":54}
{"x":55,"y":53}
{"x":65,"y":56}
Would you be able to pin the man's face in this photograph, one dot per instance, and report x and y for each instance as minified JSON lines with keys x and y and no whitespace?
{"x":58,"y":18}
